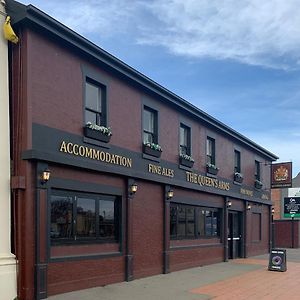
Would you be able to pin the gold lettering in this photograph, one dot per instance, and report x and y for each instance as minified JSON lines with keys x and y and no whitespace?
{"x":246,"y":192}
{"x":96,"y":154}
{"x":81,"y":150}
{"x":102,"y":156}
{"x":207,"y":181}
{"x":63,"y":147}
{"x":107,"y":157}
{"x":89,"y":152}
{"x":113,"y":160}
{"x":128,"y":162}
{"x":75,"y":149}
{"x":69,"y":149}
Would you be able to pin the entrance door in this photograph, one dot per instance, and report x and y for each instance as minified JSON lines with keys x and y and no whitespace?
{"x":234,"y":235}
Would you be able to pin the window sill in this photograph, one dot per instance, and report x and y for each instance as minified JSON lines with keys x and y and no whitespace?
{"x":150,"y":157}
{"x":211,"y":175}
{"x":96,"y":142}
{"x":237,"y":183}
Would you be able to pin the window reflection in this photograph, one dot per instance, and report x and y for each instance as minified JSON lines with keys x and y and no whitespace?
{"x":61,"y":217}
{"x":86,"y":218}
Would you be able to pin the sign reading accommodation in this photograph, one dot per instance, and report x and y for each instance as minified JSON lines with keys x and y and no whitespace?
{"x":292,"y":207}
{"x":281,"y":175}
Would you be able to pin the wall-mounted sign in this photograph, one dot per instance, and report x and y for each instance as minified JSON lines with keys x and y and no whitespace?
{"x":281,"y":175}
{"x":291,"y":207}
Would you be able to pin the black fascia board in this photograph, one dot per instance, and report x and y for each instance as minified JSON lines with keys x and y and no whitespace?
{"x":30,"y":15}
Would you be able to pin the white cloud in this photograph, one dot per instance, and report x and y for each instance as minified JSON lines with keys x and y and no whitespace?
{"x":283,"y":145}
{"x":255,"y":32}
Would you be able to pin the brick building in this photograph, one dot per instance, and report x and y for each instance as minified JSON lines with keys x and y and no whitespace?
{"x":141,"y":181}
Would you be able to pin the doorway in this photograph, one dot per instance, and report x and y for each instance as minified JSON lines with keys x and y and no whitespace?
{"x":234,"y":235}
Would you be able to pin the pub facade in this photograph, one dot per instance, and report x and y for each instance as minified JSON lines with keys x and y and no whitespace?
{"x":115,"y":177}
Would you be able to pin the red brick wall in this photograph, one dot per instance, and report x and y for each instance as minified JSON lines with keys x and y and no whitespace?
{"x":194,"y":257}
{"x":147,"y":230}
{"x":258,"y":247}
{"x":283,"y":234}
{"x":276,"y":200}
{"x":55,"y":90}
{"x":75,"y":275}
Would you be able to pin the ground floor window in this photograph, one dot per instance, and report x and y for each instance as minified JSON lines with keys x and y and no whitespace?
{"x":79,"y":217}
{"x":187,"y":221}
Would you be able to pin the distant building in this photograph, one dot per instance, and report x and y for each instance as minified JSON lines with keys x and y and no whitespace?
{"x":171,"y":188}
{"x":278,"y":196}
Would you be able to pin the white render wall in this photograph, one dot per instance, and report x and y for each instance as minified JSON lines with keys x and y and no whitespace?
{"x":8,"y":284}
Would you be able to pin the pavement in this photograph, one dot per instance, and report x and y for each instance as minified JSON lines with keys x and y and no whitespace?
{"x":238,"y":279}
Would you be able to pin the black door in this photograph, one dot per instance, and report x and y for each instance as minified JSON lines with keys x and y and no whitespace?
{"x":234,"y":235}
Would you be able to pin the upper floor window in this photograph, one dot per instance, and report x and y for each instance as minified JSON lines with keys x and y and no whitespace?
{"x":150,"y":126}
{"x":95,"y":103}
{"x":237,"y":161}
{"x":257,"y":170}
{"x":210,"y":151}
{"x":185,"y":140}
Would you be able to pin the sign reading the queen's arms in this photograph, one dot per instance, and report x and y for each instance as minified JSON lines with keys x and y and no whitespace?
{"x":281,"y":175}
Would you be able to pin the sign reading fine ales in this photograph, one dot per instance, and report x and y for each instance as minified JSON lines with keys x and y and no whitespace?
{"x":281,"y":175}
{"x":292,"y":207}
{"x":277,"y":261}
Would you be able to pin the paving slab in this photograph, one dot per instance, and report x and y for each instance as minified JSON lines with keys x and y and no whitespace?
{"x":237,"y":279}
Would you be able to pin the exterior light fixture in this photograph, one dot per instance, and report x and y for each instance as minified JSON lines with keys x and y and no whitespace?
{"x":248,"y":206}
{"x":45,"y":176}
{"x":273,"y":210}
{"x":229,"y":203}
{"x":170,"y":194}
{"x":133,"y":188}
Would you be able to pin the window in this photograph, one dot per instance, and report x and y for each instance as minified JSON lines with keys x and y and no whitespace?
{"x":257,"y":170}
{"x":79,"y":217}
{"x":185,"y":140}
{"x":210,"y":151}
{"x":237,"y":161}
{"x":150,"y":126}
{"x":95,"y":103}
{"x":192,"y":222}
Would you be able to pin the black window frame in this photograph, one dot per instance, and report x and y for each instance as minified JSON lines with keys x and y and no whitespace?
{"x":75,"y":239}
{"x":176,"y":235}
{"x":211,"y":157}
{"x":237,"y":161}
{"x":257,"y":170}
{"x":154,"y":134}
{"x":188,"y":149}
{"x":101,"y":115}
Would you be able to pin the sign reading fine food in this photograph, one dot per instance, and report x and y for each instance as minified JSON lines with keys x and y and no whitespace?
{"x":292,"y":207}
{"x":281,"y":175}
{"x":277,"y":261}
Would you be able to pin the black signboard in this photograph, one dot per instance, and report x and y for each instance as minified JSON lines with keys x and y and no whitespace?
{"x":292,"y":207}
{"x":277,"y":261}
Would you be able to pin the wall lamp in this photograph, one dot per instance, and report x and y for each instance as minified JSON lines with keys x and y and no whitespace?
{"x":133,"y":188}
{"x":45,"y":176}
{"x":273,"y":210}
{"x":248,"y":206}
{"x":170,"y":194}
{"x":229,"y":203}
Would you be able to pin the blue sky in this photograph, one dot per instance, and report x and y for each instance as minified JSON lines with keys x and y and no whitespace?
{"x":239,"y":61}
